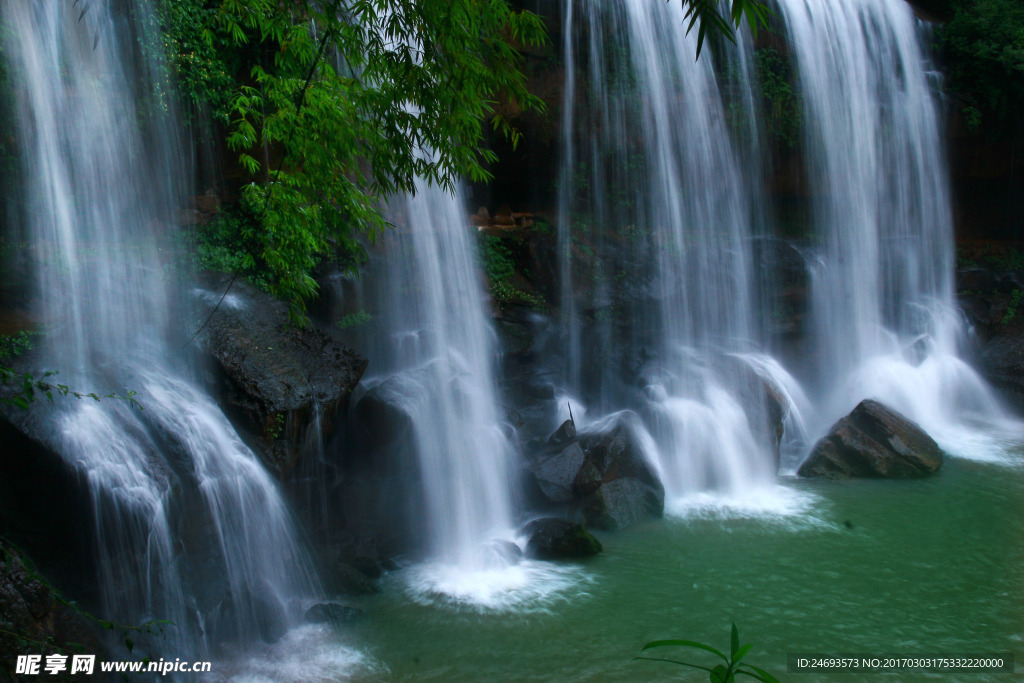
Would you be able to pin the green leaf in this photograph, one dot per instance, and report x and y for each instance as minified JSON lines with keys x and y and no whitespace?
{"x":741,"y":653}
{"x":735,"y":640}
{"x":720,"y":674}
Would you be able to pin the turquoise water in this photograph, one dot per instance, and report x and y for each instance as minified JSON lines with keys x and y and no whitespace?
{"x":924,"y":566}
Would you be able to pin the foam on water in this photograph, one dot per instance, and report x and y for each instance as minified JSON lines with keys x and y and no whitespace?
{"x":525,"y":586}
{"x":311,"y":653}
{"x":777,"y":504}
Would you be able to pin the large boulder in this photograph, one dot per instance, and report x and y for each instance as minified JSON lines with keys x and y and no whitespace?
{"x":602,"y":474}
{"x":279,"y":379}
{"x":551,"y":538}
{"x":616,"y":485}
{"x":873,"y":441}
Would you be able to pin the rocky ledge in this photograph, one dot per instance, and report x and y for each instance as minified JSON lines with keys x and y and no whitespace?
{"x":279,"y":379}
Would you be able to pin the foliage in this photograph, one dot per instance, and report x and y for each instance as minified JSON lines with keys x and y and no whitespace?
{"x":1011,"y":308}
{"x":784,"y":119}
{"x":705,"y":14}
{"x":721,"y":673}
{"x":199,"y":62}
{"x":26,"y":388}
{"x":355,"y":319}
{"x":983,"y":45}
{"x":12,"y":345}
{"x":499,"y":266}
{"x":215,"y":246}
{"x":335,"y":106}
{"x":23,"y":388}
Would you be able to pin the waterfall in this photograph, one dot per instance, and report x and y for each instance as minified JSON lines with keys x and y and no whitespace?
{"x":884,"y":322}
{"x":665,"y":231}
{"x":189,"y":527}
{"x":655,"y":222}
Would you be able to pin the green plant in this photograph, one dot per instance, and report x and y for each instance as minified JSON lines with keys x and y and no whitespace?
{"x":26,"y":388}
{"x":1011,"y":308}
{"x":12,"y":345}
{"x":353,"y":320}
{"x":784,"y":111}
{"x":721,"y":673}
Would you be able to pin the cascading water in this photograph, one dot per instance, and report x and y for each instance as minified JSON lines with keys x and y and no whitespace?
{"x":433,"y":357}
{"x":660,"y":218}
{"x":884,"y":322}
{"x":189,"y":527}
{"x":654,"y":230}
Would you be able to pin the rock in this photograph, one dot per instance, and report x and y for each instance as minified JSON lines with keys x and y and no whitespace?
{"x":383,"y":415}
{"x":616,"y":486}
{"x":506,"y":552}
{"x":555,"y":474}
{"x":278,"y":379}
{"x":30,"y":611}
{"x":368,"y":567}
{"x":554,"y":539}
{"x":618,"y":503}
{"x":208,"y":202}
{"x":349,"y":580}
{"x":873,"y":441}
{"x":565,"y":433}
{"x":333,"y":613}
{"x":1002,"y":360}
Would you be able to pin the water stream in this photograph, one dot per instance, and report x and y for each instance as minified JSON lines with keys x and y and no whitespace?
{"x":189,"y":527}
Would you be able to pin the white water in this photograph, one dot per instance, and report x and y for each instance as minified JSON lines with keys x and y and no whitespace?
{"x":884,"y":323}
{"x":188,"y":525}
{"x":654,"y":166}
{"x":436,"y":350}
{"x":661,"y":167}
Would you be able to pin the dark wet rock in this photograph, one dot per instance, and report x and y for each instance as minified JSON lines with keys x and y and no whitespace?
{"x":367,"y":566}
{"x":383,"y":415}
{"x":271,"y":620}
{"x":873,"y":441}
{"x":30,"y":610}
{"x":506,"y":552}
{"x":349,"y":580}
{"x":619,"y":503}
{"x":565,"y":433}
{"x":603,"y":475}
{"x":1002,"y":360}
{"x":616,"y":486}
{"x":333,"y":613}
{"x":556,"y":474}
{"x":555,"y":539}
{"x":275,"y":376}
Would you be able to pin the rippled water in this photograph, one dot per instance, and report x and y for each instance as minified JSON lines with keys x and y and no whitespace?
{"x":926,"y":566}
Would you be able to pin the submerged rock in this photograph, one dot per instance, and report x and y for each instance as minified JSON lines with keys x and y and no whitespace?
{"x":555,"y":539}
{"x":873,"y":441}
